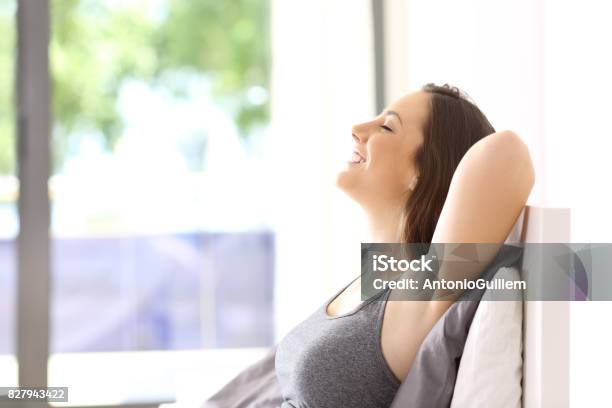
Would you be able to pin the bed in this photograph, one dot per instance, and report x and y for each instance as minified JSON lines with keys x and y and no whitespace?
{"x":533,"y":370}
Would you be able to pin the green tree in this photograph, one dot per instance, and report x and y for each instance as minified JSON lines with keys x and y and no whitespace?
{"x":7,"y":62}
{"x":96,"y":46}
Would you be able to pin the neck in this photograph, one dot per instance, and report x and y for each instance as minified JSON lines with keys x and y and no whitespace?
{"x":386,"y":223}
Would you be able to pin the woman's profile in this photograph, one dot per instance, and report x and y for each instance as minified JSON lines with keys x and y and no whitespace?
{"x":429,"y":169}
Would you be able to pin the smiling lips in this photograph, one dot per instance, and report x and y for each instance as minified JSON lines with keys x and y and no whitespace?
{"x":357,"y":158}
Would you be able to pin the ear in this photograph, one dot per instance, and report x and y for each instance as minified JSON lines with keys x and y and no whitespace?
{"x":413,"y":183}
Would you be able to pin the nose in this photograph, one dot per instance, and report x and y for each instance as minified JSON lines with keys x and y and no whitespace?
{"x":356,"y":137}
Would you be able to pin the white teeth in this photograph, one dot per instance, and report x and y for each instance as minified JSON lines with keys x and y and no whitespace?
{"x":356,"y":158}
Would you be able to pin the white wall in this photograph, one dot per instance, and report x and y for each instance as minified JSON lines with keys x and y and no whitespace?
{"x":577,"y":111}
{"x":322,"y":83}
{"x":490,"y":49}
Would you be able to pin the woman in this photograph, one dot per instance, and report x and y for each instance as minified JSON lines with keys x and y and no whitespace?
{"x":429,"y":169}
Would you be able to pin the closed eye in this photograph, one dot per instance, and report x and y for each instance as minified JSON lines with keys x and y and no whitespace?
{"x":386,"y":128}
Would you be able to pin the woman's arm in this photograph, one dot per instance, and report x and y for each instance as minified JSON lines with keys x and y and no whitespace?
{"x":488,"y":191}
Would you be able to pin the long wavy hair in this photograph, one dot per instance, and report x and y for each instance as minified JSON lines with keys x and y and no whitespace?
{"x":454,"y":124}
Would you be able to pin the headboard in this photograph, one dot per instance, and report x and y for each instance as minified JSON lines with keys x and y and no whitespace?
{"x":545,"y":323}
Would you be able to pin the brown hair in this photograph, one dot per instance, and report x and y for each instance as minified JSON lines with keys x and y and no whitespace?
{"x":454,"y":124}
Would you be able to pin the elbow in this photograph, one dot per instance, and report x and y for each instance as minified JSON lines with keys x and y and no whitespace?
{"x":510,"y":155}
{"x":519,"y":156}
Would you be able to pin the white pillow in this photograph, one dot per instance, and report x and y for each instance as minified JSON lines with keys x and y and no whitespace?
{"x":491,"y":367}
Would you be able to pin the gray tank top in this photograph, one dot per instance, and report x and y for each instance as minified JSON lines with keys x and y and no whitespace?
{"x":337,"y":361}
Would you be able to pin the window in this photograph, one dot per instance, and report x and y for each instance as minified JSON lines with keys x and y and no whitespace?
{"x":165,"y":193}
{"x":161,"y":239}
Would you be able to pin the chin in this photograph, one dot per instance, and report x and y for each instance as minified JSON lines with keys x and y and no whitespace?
{"x":344,"y":179}
{"x":350,"y":176}
{"x":349,"y":183}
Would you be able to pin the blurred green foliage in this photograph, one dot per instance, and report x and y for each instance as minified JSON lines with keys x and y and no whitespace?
{"x":97,"y":45}
{"x":7,"y":111}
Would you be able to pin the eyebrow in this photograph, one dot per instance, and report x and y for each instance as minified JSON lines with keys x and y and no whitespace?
{"x":394,"y":113}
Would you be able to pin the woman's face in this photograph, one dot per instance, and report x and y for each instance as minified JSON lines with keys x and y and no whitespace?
{"x":382,"y":165}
